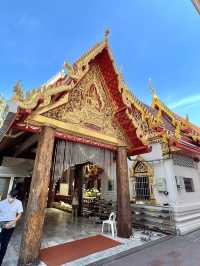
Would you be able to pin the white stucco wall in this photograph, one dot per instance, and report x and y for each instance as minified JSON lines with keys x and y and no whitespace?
{"x":183,"y":197}
{"x":187,"y":208}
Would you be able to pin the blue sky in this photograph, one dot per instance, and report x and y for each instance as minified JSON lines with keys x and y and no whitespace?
{"x":149,"y":38}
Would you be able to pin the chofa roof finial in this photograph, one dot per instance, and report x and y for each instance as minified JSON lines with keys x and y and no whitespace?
{"x":187,"y":118}
{"x":152,"y":89}
{"x":106,"y":34}
{"x":67,"y":66}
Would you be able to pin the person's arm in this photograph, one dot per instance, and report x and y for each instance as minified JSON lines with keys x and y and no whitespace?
{"x":18,"y":216}
{"x":12,"y":223}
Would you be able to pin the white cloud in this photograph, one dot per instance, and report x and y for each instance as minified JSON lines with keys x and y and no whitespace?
{"x":190,"y":100}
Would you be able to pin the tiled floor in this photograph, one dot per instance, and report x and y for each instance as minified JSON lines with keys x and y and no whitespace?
{"x":59,"y":228}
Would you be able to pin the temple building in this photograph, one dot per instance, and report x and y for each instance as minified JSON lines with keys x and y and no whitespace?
{"x":165,"y":183}
{"x":82,"y":118}
{"x":83,"y":130}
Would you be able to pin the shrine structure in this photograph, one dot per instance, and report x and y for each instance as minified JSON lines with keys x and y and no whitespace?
{"x":87,"y":103}
{"x":86,"y":114}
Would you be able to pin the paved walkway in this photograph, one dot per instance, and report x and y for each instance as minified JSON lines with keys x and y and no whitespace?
{"x":178,"y":251}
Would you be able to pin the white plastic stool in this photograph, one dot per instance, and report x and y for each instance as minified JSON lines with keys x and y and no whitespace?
{"x":111,"y":221}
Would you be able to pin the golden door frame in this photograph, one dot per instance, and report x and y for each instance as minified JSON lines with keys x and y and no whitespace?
{"x":141,"y":168}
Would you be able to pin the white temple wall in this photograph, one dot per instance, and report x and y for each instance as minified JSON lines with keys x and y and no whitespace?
{"x":187,"y":208}
{"x":169,"y":174}
{"x":185,"y":205}
{"x":183,"y":197}
{"x":164,"y":183}
{"x":156,"y":152}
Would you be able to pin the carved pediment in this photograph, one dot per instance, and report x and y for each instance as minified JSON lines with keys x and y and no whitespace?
{"x":88,"y":106}
{"x":141,"y":167}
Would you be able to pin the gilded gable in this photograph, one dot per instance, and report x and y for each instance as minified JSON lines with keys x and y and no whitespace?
{"x":88,"y":106}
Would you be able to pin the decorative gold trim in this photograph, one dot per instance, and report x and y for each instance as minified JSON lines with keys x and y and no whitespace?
{"x":164,"y":141}
{"x":178,"y":123}
{"x":73,"y":129}
{"x":144,"y":122}
{"x":30,"y":101}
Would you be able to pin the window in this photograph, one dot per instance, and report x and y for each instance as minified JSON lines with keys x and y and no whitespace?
{"x":142,"y":188}
{"x":189,"y":186}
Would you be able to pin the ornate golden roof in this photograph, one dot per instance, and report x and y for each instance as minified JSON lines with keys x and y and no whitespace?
{"x":145,"y":119}
{"x":181,"y":125}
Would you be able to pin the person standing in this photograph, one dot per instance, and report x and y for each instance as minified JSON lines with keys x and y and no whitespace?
{"x":11,"y":210}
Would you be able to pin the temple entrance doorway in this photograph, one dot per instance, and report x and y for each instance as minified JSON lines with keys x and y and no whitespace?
{"x":93,"y":177}
{"x":90,"y":181}
{"x":53,"y":158}
{"x":92,"y":172}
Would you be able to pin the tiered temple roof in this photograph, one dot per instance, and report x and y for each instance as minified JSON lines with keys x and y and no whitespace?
{"x":140,"y":123}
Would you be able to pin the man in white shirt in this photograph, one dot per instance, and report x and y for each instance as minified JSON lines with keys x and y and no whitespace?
{"x":10,"y":212}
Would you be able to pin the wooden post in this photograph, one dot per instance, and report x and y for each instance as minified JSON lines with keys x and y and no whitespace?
{"x":35,"y":213}
{"x":124,"y":221}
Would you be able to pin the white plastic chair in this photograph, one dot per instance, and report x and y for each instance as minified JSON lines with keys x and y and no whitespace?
{"x":112,"y":223}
